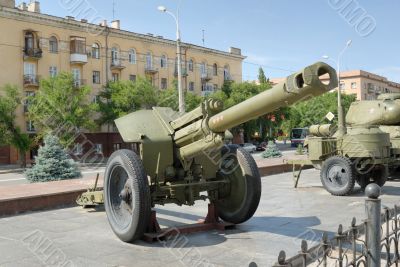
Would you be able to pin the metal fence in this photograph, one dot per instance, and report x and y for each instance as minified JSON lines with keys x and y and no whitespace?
{"x":374,"y":242}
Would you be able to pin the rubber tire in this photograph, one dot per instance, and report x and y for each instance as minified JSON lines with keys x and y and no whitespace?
{"x":141,"y":201}
{"x":362,"y":181}
{"x":380,"y":175}
{"x":248,"y":172}
{"x":347,"y":165}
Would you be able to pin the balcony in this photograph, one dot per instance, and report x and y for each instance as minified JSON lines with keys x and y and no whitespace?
{"x":150,"y":70}
{"x":79,"y":83}
{"x":78,"y":50}
{"x":33,"y":53}
{"x":117,"y":65}
{"x":206,"y":76}
{"x":184,"y":72}
{"x":78,"y":58}
{"x":31,"y":80}
{"x":207,"y":89}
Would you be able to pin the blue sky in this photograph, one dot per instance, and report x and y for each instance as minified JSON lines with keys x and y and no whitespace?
{"x":280,"y":35}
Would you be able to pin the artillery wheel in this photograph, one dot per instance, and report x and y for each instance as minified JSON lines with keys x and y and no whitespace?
{"x":240,"y":201}
{"x":338,"y":175}
{"x":127,"y":195}
{"x":379,"y":175}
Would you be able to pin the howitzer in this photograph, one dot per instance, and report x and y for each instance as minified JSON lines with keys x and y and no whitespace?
{"x":367,"y":151}
{"x":182,"y":158}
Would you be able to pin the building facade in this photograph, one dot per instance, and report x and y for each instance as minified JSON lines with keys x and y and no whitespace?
{"x":363,"y":84}
{"x":35,"y":46}
{"x":366,"y":85}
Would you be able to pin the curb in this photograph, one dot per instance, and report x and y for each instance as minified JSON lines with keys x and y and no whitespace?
{"x":18,"y":205}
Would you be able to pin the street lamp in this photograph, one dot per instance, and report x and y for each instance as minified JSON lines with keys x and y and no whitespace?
{"x":178,"y":52}
{"x":341,"y":119}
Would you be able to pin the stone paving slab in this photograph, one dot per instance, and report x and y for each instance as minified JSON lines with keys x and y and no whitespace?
{"x":20,"y":198}
{"x":285,"y":216}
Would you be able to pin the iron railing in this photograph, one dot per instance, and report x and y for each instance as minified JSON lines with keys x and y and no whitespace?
{"x":33,"y":53}
{"x":373,"y":243}
{"x":30,"y":79}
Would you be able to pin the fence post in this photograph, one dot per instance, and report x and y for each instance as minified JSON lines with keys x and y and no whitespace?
{"x":373,"y":231}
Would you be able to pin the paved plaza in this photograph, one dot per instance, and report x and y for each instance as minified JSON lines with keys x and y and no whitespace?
{"x":77,"y":237}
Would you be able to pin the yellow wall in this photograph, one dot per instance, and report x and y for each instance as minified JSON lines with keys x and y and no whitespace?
{"x":14,"y":22}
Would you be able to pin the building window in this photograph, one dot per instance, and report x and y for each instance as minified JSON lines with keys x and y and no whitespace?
{"x":163,"y":61}
{"x":53,"y":45}
{"x":78,"y":149}
{"x":342,"y":86}
{"x":227,"y":75}
{"x":164,"y":83}
{"x":30,"y":73}
{"x":203,"y":68}
{"x":98,"y":148}
{"x":114,"y":56}
{"x":115,"y":77}
{"x":215,"y":87}
{"x":29,"y":69}
{"x":215,"y":69}
{"x":149,"y":60}
{"x":96,"y":51}
{"x":116,"y":146}
{"x":132,"y":78}
{"x":30,"y":127}
{"x":353,"y":85}
{"x":28,"y":99}
{"x":191,"y":86}
{"x":78,"y":45}
{"x":29,"y":41}
{"x":96,"y":77}
{"x":190,"y":65}
{"x":132,"y":56}
{"x":96,"y":99}
{"x":53,"y":71}
{"x":76,"y":74}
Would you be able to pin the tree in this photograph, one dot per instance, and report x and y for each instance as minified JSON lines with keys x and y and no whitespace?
{"x":239,"y":92}
{"x":10,"y":133}
{"x":52,"y":163}
{"x":261,"y":76}
{"x":123,"y":97}
{"x":169,"y":98}
{"x":313,"y":111}
{"x":62,"y":107}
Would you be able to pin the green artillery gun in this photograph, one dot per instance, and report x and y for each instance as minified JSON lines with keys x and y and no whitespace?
{"x":183,"y":157}
{"x":369,"y":147}
{"x":385,"y":114}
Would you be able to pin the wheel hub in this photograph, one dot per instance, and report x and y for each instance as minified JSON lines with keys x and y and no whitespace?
{"x":126,"y":193}
{"x":337,"y":175}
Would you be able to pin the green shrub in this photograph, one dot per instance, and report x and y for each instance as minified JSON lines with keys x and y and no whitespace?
{"x":271,"y":151}
{"x":52,"y":163}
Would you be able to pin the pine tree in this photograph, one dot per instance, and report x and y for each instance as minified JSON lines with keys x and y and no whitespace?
{"x":271,"y":151}
{"x":261,"y":76}
{"x":52,"y":163}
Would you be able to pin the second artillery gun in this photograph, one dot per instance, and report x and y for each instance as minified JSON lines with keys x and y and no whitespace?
{"x":364,"y":153}
{"x":182,"y":158}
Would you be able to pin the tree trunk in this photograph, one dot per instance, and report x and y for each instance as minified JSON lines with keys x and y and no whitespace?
{"x":22,"y":158}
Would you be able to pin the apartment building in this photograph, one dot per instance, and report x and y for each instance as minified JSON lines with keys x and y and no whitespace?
{"x":366,"y":85}
{"x":35,"y":45}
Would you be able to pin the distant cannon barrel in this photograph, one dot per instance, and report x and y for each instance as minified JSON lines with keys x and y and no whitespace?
{"x":299,"y":86}
{"x":321,"y":130}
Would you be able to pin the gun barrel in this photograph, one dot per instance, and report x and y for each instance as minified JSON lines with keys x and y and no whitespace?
{"x":299,"y":86}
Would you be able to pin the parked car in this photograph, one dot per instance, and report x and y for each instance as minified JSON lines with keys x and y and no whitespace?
{"x":261,"y":146}
{"x":249,"y":147}
{"x":298,"y":136}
